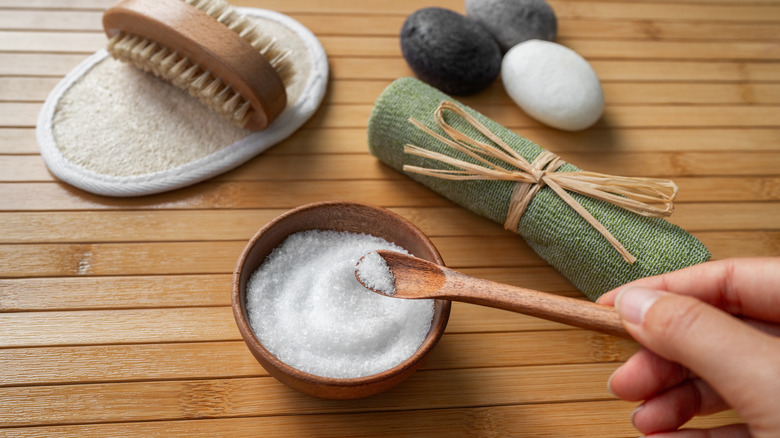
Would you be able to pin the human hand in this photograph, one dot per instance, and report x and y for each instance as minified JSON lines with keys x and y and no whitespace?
{"x":711,"y":341}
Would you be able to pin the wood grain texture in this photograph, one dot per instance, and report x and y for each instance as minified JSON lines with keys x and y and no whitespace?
{"x":195,"y":399}
{"x":115,"y":314}
{"x":521,"y":421}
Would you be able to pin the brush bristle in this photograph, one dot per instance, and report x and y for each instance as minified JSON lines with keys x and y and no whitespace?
{"x":233,"y":20}
{"x":154,"y":58}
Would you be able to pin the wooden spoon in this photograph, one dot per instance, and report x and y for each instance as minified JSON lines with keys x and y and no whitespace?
{"x":417,"y":278}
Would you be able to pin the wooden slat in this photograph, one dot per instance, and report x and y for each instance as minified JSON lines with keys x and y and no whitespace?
{"x":597,"y":141}
{"x":727,"y":216}
{"x":18,"y":141}
{"x":397,"y":193}
{"x":724,"y":9}
{"x":119,"y":259}
{"x":128,"y":326}
{"x":36,"y":89}
{"x":592,"y":141}
{"x":657,"y":116}
{"x":325,"y":167}
{"x":389,"y":25}
{"x":704,"y":189}
{"x":635,"y":116}
{"x":563,"y":9}
{"x":220,"y":257}
{"x":25,"y":114}
{"x":682,"y":50}
{"x":374,"y":46}
{"x":149,"y":362}
{"x":524,"y":421}
{"x":203,"y":225}
{"x":179,"y":225}
{"x":467,"y":318}
{"x":191,"y":399}
{"x":607,"y":70}
{"x":131,"y":292}
{"x":26,"y":20}
{"x":59,"y":196}
{"x":663,"y":29}
{"x":615,"y":93}
{"x":684,"y":70}
{"x":58,"y":64}
{"x":117,"y":363}
{"x":707,"y":2}
{"x":26,"y":89}
{"x":26,"y":64}
{"x":568,"y":28}
{"x":51,"y":42}
{"x":214,"y":257}
{"x":19,"y":114}
{"x":742,"y":244}
{"x":666,"y":11}
{"x":52,"y":4}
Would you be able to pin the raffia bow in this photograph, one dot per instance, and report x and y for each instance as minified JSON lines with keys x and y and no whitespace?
{"x":651,"y":197}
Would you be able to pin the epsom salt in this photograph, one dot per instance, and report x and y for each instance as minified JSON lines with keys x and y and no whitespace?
{"x":373,"y":272}
{"x":307,"y":308}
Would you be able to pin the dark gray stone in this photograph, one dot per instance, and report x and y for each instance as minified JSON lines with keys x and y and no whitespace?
{"x":513,"y":21}
{"x":450,"y":51}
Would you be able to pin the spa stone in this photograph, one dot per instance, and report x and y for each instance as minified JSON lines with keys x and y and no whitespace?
{"x":553,"y":84}
{"x":513,"y":21}
{"x":450,"y":51}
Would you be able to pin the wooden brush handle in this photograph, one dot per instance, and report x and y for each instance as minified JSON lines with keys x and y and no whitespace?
{"x":207,"y":42}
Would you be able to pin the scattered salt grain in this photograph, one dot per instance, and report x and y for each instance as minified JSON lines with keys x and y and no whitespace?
{"x":374,"y":273}
{"x":307,"y":308}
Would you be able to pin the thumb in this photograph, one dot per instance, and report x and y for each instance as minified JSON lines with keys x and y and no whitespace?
{"x":732,"y":357}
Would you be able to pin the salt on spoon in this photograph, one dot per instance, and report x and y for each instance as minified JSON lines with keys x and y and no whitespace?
{"x":373,"y":272}
{"x":417,"y":278}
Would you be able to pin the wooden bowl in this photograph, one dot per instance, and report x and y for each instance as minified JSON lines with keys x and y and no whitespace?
{"x":337,"y":216}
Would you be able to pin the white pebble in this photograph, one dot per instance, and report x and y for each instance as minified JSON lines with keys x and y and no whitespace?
{"x":553,"y":84}
{"x":373,"y":272}
{"x":307,"y":308}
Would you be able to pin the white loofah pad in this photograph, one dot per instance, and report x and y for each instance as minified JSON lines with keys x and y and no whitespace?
{"x":112,"y":130}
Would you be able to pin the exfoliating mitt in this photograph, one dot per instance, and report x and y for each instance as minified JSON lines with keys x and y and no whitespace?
{"x":112,"y":129}
{"x":405,"y":131}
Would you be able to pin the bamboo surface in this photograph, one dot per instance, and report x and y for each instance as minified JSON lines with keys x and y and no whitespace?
{"x":115,"y":314}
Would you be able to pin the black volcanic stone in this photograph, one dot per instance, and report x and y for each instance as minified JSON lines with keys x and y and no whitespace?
{"x":513,"y":21}
{"x":450,"y":51}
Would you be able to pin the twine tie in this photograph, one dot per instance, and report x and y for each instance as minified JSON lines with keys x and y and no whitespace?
{"x":650,"y":197}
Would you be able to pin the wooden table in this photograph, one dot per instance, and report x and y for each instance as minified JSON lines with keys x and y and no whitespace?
{"x":115,"y":314}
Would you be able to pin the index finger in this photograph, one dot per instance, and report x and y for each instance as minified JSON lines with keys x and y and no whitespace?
{"x":747,"y":286}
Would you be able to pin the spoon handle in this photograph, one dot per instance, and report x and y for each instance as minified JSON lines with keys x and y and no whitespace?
{"x":566,"y":310}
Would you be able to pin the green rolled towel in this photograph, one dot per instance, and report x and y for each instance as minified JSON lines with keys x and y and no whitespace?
{"x":549,"y":225}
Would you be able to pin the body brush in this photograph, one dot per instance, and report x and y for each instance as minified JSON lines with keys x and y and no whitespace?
{"x":206,"y":48}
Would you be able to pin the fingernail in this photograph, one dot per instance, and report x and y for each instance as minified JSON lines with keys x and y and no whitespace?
{"x":632,"y":303}
{"x":609,"y":381}
{"x":638,"y":408}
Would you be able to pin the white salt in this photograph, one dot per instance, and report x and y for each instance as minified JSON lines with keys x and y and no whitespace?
{"x":307,"y":308}
{"x":374,"y":273}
